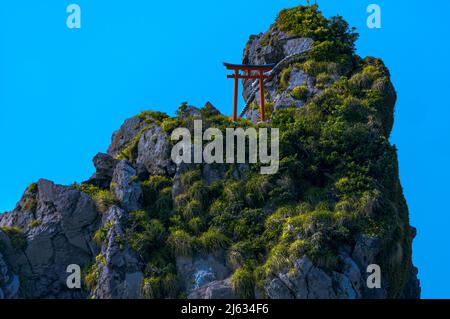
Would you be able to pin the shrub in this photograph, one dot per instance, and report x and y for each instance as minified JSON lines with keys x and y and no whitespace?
{"x":213,"y":239}
{"x":91,"y":275}
{"x":323,"y":79}
{"x":192,"y":209}
{"x":308,"y":21}
{"x":314,"y":68}
{"x":151,"y":288}
{"x":102,"y":232}
{"x":300,"y":92}
{"x":249,"y":223}
{"x":304,"y":21}
{"x":152,"y":188}
{"x":324,"y":51}
{"x":256,"y":189}
{"x":170,"y":124}
{"x":239,"y":253}
{"x":35,"y":223}
{"x":103,"y":198}
{"x":243,"y":283}
{"x":181,"y":242}
{"x":196,"y":224}
{"x":162,"y":286}
{"x":33,"y":187}
{"x":285,"y":78}
{"x":100,"y":259}
{"x":152,"y":115}
{"x":278,"y":259}
{"x":199,"y":192}
{"x":164,"y":203}
{"x":297,"y":249}
{"x":17,"y":237}
{"x":129,"y":152}
{"x":144,"y":235}
{"x":188,"y":178}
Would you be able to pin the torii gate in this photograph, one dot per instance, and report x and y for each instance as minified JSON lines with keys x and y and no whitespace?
{"x":248,"y":69}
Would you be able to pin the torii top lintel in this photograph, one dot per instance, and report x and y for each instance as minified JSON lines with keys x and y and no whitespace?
{"x":249,"y":68}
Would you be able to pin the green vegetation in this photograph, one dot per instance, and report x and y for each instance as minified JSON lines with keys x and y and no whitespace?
{"x":338,"y":177}
{"x":159,"y":287}
{"x":323,"y":80}
{"x":151,"y":117}
{"x":332,"y":53}
{"x":17,"y":237}
{"x":285,"y":77}
{"x":102,"y":232}
{"x":300,"y":92}
{"x":35,"y":223}
{"x":158,"y":196}
{"x":129,"y":151}
{"x":148,"y":119}
{"x":90,"y":275}
{"x":145,"y":235}
{"x":213,"y":240}
{"x":243,"y":283}
{"x":33,"y":187}
{"x":181,"y":242}
{"x":332,"y":36}
{"x":103,"y":198}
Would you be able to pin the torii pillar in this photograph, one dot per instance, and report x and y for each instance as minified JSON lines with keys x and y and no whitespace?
{"x":248,"y":69}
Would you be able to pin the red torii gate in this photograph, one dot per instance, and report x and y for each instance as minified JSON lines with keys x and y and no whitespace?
{"x":248,"y":69}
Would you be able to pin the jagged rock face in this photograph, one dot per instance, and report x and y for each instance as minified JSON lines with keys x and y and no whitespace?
{"x":58,"y":230}
{"x":129,"y":129}
{"x":126,"y":187}
{"x":221,"y":216}
{"x":198,"y":271}
{"x":153,"y":151}
{"x":218,"y":289}
{"x":120,"y":275}
{"x":9,"y":282}
{"x":275,"y":47}
{"x":104,"y":165}
{"x":308,"y":281}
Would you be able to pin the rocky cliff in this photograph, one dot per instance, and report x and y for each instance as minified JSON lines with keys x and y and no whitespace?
{"x":144,"y":227}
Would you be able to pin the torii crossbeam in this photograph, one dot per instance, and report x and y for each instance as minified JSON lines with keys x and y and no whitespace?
{"x":251,"y":71}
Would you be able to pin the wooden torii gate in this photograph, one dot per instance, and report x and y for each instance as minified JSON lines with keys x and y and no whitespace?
{"x":248,"y":69}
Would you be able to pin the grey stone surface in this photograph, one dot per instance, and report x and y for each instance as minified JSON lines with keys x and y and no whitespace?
{"x":276,"y":47}
{"x":120,"y":275}
{"x":126,"y":187}
{"x":219,"y":289}
{"x":153,"y":151}
{"x":104,"y":165}
{"x":307,"y":281}
{"x":67,"y":220}
{"x":125,"y":134}
{"x":200,"y":270}
{"x":9,"y":282}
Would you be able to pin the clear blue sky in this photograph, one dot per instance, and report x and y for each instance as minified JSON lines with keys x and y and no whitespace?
{"x":63,"y":92}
